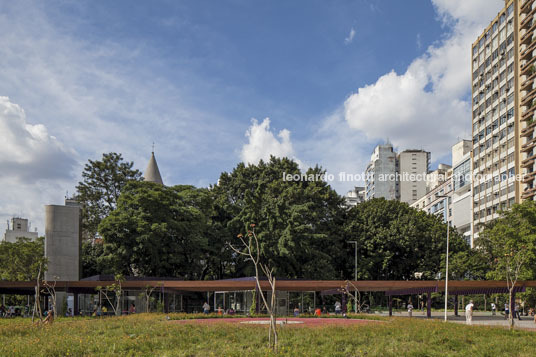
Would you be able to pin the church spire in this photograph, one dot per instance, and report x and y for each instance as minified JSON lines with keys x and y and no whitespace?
{"x":152,"y":174}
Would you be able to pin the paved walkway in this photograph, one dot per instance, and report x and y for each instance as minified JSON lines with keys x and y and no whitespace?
{"x":479,"y":318}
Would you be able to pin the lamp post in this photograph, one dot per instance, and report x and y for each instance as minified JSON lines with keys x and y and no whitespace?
{"x":355,"y":272}
{"x":446,"y":197}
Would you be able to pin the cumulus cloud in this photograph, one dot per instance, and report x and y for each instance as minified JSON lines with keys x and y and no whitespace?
{"x":426,"y":106}
{"x":262,"y":143}
{"x":350,"y":36}
{"x":35,"y":167}
{"x":28,"y":152}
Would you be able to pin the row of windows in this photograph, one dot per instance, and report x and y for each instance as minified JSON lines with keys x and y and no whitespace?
{"x":504,"y":176}
{"x":480,"y":95}
{"x":502,"y":19}
{"x":494,"y":125}
{"x":492,"y":210}
{"x":484,"y":69}
{"x":492,"y":114}
{"x":490,"y":101}
{"x":489,"y":166}
{"x":494,"y":140}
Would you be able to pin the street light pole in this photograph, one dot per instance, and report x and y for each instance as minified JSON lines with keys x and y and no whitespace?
{"x":447,"y":258}
{"x":355,"y":272}
{"x":447,"y":263}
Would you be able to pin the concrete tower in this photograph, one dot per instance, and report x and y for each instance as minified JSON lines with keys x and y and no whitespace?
{"x":63,"y":239}
{"x":152,"y":174}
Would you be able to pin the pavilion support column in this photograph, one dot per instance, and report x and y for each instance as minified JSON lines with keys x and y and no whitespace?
{"x":390,"y":302}
{"x":429,"y":305}
{"x":75,"y":304}
{"x":456,"y":305}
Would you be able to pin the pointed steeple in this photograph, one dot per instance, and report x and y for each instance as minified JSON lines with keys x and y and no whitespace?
{"x":152,"y":174}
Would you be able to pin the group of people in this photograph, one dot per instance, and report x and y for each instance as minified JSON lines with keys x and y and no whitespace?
{"x":516,"y":313}
{"x":219,"y":310}
{"x":7,"y":311}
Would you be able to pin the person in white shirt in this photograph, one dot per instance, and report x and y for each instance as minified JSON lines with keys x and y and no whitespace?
{"x":337,"y":308}
{"x":493,"y":309}
{"x":410,"y":309}
{"x":469,"y":313}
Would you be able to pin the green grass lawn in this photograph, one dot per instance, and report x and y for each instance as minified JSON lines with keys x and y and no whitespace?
{"x":153,"y":335}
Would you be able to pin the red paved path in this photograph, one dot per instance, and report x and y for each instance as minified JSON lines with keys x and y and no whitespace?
{"x":307,"y":322}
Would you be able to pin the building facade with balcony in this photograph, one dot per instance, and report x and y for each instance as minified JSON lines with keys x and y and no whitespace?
{"x":503,"y":93}
{"x":452,"y":184}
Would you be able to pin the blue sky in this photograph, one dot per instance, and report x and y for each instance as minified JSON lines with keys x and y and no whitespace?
{"x":333,"y":77}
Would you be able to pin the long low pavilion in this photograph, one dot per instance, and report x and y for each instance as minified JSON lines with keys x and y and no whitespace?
{"x":326,"y":287}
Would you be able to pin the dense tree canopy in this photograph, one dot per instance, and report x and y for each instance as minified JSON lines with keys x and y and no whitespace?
{"x":298,"y":221}
{"x":21,"y":260}
{"x":395,"y":241}
{"x":302,"y":224}
{"x":156,"y":231}
{"x":100,"y":188}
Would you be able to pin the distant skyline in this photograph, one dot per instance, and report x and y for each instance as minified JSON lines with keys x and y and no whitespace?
{"x":200,"y":79}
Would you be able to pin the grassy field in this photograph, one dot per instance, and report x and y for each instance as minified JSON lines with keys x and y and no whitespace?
{"x":154,"y":335}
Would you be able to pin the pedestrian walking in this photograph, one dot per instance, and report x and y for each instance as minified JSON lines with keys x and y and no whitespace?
{"x":493,"y":309}
{"x":516,"y":312}
{"x":410,"y":309}
{"x":469,"y":313}
{"x":337,"y":308}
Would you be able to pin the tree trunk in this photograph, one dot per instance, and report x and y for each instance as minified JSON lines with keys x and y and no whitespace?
{"x":512,"y":310}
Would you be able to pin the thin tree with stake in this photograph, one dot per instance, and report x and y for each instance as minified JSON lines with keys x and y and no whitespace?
{"x":250,"y":249}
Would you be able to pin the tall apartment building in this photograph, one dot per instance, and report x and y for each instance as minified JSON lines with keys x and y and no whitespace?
{"x":503,"y":91}
{"x":380,"y":180}
{"x":413,"y":167}
{"x":396,"y":176}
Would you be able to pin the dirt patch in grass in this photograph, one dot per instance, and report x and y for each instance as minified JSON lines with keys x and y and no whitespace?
{"x":286,"y":322}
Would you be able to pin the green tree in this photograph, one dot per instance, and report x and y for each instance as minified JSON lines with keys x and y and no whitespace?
{"x":154,"y":231}
{"x":216,"y":258}
{"x":101,"y":185}
{"x":92,"y":263}
{"x":298,"y":220}
{"x":510,"y":245}
{"x":467,"y":265}
{"x":395,"y":241}
{"x":22,"y":259}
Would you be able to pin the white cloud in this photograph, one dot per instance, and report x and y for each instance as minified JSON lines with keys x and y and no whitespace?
{"x":426,"y":106}
{"x":98,"y":96}
{"x":27,"y":152}
{"x":35,"y":168}
{"x":419,"y":41}
{"x":350,"y":36}
{"x":262,"y":143}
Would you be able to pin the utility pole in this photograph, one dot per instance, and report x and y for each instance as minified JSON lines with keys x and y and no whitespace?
{"x":355,"y":272}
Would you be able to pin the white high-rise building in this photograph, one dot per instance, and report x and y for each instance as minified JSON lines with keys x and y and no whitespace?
{"x":396,"y":176}
{"x":380,"y":180}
